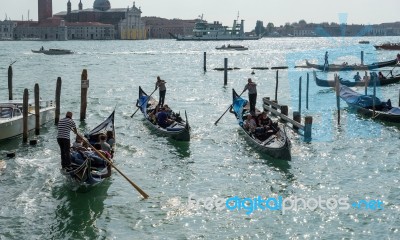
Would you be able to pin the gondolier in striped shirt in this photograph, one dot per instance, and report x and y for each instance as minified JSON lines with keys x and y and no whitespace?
{"x":252,"y":87}
{"x":162,"y":90}
{"x":65,"y":126}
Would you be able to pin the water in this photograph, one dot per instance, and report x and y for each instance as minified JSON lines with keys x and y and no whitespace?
{"x":356,"y":160}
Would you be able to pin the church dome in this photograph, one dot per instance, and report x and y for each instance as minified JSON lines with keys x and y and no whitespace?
{"x":102,"y":5}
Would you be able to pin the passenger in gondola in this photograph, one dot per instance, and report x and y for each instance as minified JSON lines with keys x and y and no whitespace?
{"x":264,"y":120}
{"x":250,"y":124}
{"x":398,"y":58}
{"x":380,"y":75}
{"x":163,"y":120}
{"x":357,"y":77}
{"x":78,"y":142}
{"x":99,"y":148}
{"x":153,"y":114}
{"x":104,"y":145}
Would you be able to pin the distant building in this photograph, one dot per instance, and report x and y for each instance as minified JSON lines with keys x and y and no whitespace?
{"x":161,"y":27}
{"x":7,"y":29}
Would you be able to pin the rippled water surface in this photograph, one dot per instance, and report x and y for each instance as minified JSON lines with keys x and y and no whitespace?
{"x":358,"y":160}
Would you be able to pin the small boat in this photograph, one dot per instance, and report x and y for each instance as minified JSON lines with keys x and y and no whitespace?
{"x":179,"y":130}
{"x":388,"y":46}
{"x":363,"y":42}
{"x":232,"y":47}
{"x":88,"y":168}
{"x":11,"y":119}
{"x":364,"y":105}
{"x":276,"y":145}
{"x":380,"y":82}
{"x":53,"y":51}
{"x":346,"y":67}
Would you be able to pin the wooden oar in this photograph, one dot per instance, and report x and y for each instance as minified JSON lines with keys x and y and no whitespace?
{"x":226,"y":111}
{"x":145,"y":196}
{"x":143,"y":103}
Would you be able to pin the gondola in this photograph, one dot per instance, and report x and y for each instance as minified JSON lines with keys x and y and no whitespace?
{"x":331,"y":83}
{"x":179,"y":130}
{"x":364,"y":105}
{"x":346,"y":67}
{"x":388,"y":46}
{"x":88,"y":168}
{"x":276,"y":145}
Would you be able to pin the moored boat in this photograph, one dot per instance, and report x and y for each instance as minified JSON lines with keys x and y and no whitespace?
{"x":355,"y":67}
{"x":232,"y":47}
{"x":179,"y":130}
{"x":275,"y":144}
{"x":88,"y":167}
{"x":369,"y":105}
{"x":380,"y":82}
{"x":11,"y":119}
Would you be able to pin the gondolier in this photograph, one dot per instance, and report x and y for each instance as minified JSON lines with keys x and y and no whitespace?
{"x":162,"y":90}
{"x":326,"y":64}
{"x":252,"y":87}
{"x":65,"y":126}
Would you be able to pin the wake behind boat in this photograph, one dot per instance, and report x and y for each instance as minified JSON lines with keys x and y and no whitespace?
{"x":273,"y":142}
{"x":178,"y":130}
{"x":88,"y":167}
{"x":354,"y":67}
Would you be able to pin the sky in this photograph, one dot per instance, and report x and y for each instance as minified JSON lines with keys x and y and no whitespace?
{"x":278,"y":12}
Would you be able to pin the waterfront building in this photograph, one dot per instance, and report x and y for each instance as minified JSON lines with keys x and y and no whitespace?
{"x":7,"y":29}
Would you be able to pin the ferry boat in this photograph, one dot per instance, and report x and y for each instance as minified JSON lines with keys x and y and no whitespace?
{"x":11,"y":123}
{"x":204,"y":31}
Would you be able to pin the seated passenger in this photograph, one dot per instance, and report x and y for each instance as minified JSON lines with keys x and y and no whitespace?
{"x":110,"y":138}
{"x":78,"y":142}
{"x":380,"y":75}
{"x":264,"y":120}
{"x":153,"y":114}
{"x":98,"y":147}
{"x":250,"y":124}
{"x":103,"y":144}
{"x":163,"y":120}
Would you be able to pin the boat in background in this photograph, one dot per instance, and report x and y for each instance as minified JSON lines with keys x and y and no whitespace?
{"x":11,"y":119}
{"x":53,"y":51}
{"x":204,"y":31}
{"x":331,"y":83}
{"x":275,"y":144}
{"x":363,"y":42}
{"x":179,"y":130}
{"x":369,"y":105}
{"x":232,"y":47}
{"x":388,"y":46}
{"x":354,"y":67}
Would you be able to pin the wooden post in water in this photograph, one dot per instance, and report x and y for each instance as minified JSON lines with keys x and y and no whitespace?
{"x":58,"y":97}
{"x":25,"y":116}
{"x":300,"y":95}
{"x":366,"y":80}
{"x":399,"y":97}
{"x":204,"y":62}
{"x":276,"y":86}
{"x":10,"y":77}
{"x":284,"y":111}
{"x":374,"y":78}
{"x":307,"y":128}
{"x":37,"y":110}
{"x":337,"y":96}
{"x":362,"y":57}
{"x":225,"y":71}
{"x":308,"y":86}
{"x":297,"y":118}
{"x":84,"y":89}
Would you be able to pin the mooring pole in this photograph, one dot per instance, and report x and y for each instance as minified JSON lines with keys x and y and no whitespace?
{"x":84,"y":89}
{"x":362,"y":57}
{"x":300,"y":95}
{"x":205,"y":62}
{"x":337,"y":96}
{"x":308,"y":86}
{"x":25,"y":116}
{"x":276,"y":86}
{"x":10,"y":78}
{"x":225,"y":71}
{"x":58,"y":97}
{"x":37,"y":110}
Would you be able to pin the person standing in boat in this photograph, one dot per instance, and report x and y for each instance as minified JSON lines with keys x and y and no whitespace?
{"x":252,"y":87}
{"x":357,"y":77}
{"x":162,"y":90}
{"x":326,"y":64}
{"x":65,"y":126}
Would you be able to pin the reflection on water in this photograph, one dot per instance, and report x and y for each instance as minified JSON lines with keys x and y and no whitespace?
{"x":77,"y":212}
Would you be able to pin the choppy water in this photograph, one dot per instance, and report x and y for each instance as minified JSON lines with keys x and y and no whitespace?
{"x":357,"y":160}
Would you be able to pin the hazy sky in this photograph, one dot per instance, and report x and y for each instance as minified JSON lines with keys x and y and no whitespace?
{"x":276,"y":11}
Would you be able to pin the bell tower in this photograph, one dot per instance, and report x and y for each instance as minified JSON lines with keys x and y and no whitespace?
{"x":45,"y":9}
